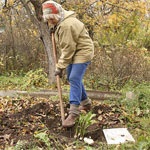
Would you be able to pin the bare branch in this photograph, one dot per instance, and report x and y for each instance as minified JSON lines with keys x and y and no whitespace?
{"x":118,"y":6}
{"x":29,"y":12}
{"x":5,"y":5}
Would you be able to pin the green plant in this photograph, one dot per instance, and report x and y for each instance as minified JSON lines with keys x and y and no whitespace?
{"x":49,"y":140}
{"x":83,"y":123}
{"x":43,"y":136}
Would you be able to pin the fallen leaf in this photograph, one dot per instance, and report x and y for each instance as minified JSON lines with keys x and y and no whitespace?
{"x":100,"y":111}
{"x":100,"y":118}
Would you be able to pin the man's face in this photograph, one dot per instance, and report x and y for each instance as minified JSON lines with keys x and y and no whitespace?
{"x":52,"y":21}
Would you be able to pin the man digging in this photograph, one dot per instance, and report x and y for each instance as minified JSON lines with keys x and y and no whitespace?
{"x":77,"y":50}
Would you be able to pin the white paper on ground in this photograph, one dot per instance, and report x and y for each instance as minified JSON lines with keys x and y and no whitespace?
{"x":117,"y":135}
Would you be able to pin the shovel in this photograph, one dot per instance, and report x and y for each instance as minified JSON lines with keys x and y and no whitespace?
{"x":58,"y":80}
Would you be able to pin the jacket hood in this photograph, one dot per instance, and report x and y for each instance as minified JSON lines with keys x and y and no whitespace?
{"x":68,"y":14}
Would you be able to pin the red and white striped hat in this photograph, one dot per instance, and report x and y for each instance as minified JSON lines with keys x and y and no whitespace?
{"x":52,"y":9}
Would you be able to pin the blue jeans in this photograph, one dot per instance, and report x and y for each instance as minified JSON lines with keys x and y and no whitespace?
{"x":75,"y":73}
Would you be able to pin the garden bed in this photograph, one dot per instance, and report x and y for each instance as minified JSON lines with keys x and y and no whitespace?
{"x":21,"y":119}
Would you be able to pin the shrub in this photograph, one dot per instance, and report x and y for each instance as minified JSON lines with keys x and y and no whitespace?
{"x":37,"y":78}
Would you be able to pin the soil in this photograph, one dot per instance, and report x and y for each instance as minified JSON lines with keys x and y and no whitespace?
{"x":22,"y":118}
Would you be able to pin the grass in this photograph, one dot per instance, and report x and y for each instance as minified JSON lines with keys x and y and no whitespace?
{"x":11,"y":82}
{"x":137,"y":114}
{"x":32,"y":80}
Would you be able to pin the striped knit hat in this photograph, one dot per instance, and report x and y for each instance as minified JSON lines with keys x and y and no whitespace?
{"x":52,"y":9}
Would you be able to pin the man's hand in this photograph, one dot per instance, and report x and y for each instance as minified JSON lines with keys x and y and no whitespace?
{"x":58,"y":72}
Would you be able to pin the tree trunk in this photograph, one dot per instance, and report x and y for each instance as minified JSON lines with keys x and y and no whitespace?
{"x":44,"y":34}
{"x":14,"y":62}
{"x":45,"y":37}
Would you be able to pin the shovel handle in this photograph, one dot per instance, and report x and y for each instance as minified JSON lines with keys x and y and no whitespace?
{"x":58,"y":80}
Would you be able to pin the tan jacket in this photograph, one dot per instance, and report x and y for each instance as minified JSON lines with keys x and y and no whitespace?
{"x":73,"y":40}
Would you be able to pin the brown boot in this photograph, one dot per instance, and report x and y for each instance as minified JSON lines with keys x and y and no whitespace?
{"x":85,"y":105}
{"x":73,"y":115}
{"x":70,"y":121}
{"x":86,"y":108}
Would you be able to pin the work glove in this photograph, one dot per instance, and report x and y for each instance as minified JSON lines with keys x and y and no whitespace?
{"x":58,"y":72}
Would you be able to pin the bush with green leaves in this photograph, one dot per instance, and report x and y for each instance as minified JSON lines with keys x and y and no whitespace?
{"x":121,"y":41}
{"x":37,"y":78}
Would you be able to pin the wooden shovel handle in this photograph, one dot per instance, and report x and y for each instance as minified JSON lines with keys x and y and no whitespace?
{"x":58,"y":80}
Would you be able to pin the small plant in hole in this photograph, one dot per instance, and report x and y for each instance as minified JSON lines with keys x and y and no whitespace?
{"x":84,"y":121}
